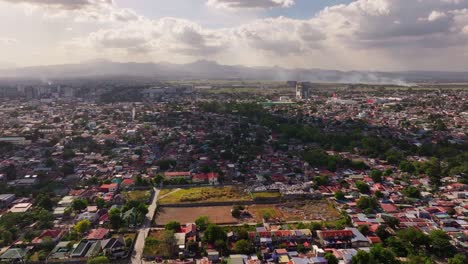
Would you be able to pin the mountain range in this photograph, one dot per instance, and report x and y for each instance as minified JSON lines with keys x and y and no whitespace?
{"x":213,"y":71}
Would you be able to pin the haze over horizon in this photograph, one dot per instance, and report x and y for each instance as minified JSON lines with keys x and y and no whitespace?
{"x":374,"y":35}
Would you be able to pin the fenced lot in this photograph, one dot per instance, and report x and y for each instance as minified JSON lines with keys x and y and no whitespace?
{"x":205,"y":195}
{"x":183,"y":215}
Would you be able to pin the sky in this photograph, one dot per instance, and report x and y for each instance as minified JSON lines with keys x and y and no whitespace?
{"x":376,"y":35}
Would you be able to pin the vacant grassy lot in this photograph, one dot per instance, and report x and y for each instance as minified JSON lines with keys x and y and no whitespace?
{"x":153,"y":244}
{"x":297,"y":211}
{"x":183,"y":215}
{"x":206,"y":194}
{"x":265,"y":195}
{"x":141,"y":196}
{"x":164,"y":192}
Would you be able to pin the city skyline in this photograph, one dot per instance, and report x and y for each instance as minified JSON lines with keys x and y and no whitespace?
{"x":385,"y":35}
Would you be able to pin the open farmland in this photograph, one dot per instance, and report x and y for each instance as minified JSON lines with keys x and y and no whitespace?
{"x":216,"y":214}
{"x":206,"y":195}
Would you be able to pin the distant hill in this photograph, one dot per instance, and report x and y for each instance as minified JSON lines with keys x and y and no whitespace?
{"x":211,"y":70}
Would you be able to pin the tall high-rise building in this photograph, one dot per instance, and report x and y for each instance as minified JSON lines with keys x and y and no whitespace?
{"x":303,"y":90}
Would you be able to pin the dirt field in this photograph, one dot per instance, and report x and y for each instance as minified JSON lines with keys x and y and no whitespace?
{"x":216,"y":214}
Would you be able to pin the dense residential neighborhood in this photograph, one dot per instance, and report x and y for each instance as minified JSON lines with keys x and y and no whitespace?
{"x":357,"y":175}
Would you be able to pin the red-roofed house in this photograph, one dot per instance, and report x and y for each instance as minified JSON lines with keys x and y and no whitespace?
{"x":335,"y":238}
{"x":389,"y":208}
{"x":111,"y":187}
{"x":53,"y":234}
{"x":213,"y":178}
{"x":177,"y":174}
{"x":200,"y":177}
{"x":127,"y":183}
{"x":98,"y":234}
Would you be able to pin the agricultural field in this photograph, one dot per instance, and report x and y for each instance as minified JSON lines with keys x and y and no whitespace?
{"x":216,"y":214}
{"x":141,"y":196}
{"x":266,"y":195}
{"x":164,"y":192}
{"x":206,"y":194}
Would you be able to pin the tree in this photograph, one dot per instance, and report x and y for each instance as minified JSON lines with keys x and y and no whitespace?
{"x":376,"y":175}
{"x":100,"y":203}
{"x":192,"y":246}
{"x":361,"y":257}
{"x":339,"y":195}
{"x":68,"y":154}
{"x":79,"y":204}
{"x":236,"y":212}
{"x":213,"y":233}
{"x":367,"y":203}
{"x":83,"y":226}
{"x":243,"y":247}
{"x":414,"y":236}
{"x":364,"y":229}
{"x":407,"y":166}
{"x":49,"y":163}
{"x":67,"y":169}
{"x":99,"y":260}
{"x":412,"y":192}
{"x":43,"y":200}
{"x":362,"y":187}
{"x":202,"y":222}
{"x":172,"y":226}
{"x":458,"y":259}
{"x":440,"y":244}
{"x":115,"y":218}
{"x":331,"y":259}
{"x":379,"y":254}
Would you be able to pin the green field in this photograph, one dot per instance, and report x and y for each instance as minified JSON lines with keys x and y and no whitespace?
{"x":265,"y":195}
{"x":206,"y":194}
{"x":141,"y":196}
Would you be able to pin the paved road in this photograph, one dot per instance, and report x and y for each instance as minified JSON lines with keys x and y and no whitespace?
{"x":144,"y":230}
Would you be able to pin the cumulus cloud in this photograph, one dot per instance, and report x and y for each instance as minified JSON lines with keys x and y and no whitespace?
{"x":8,"y":41}
{"x":243,"y":4}
{"x":361,"y":34}
{"x":81,"y":10}
{"x":64,"y":4}
{"x":167,"y":35}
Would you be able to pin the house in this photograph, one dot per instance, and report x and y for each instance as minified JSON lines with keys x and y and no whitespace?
{"x":14,"y":255}
{"x":190,"y":230}
{"x":50,"y":234}
{"x":180,"y":241}
{"x":200,"y":177}
{"x":66,"y":201}
{"x":60,"y":252}
{"x":127,"y":183}
{"x":213,"y":178}
{"x":130,"y":217}
{"x":111,"y":187}
{"x":6,"y":200}
{"x":335,"y":238}
{"x":86,"y":249}
{"x":213,"y":255}
{"x":114,"y":247}
{"x":177,"y":175}
{"x":98,"y":234}
{"x":358,"y":240}
{"x":20,"y":208}
{"x":92,"y":217}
